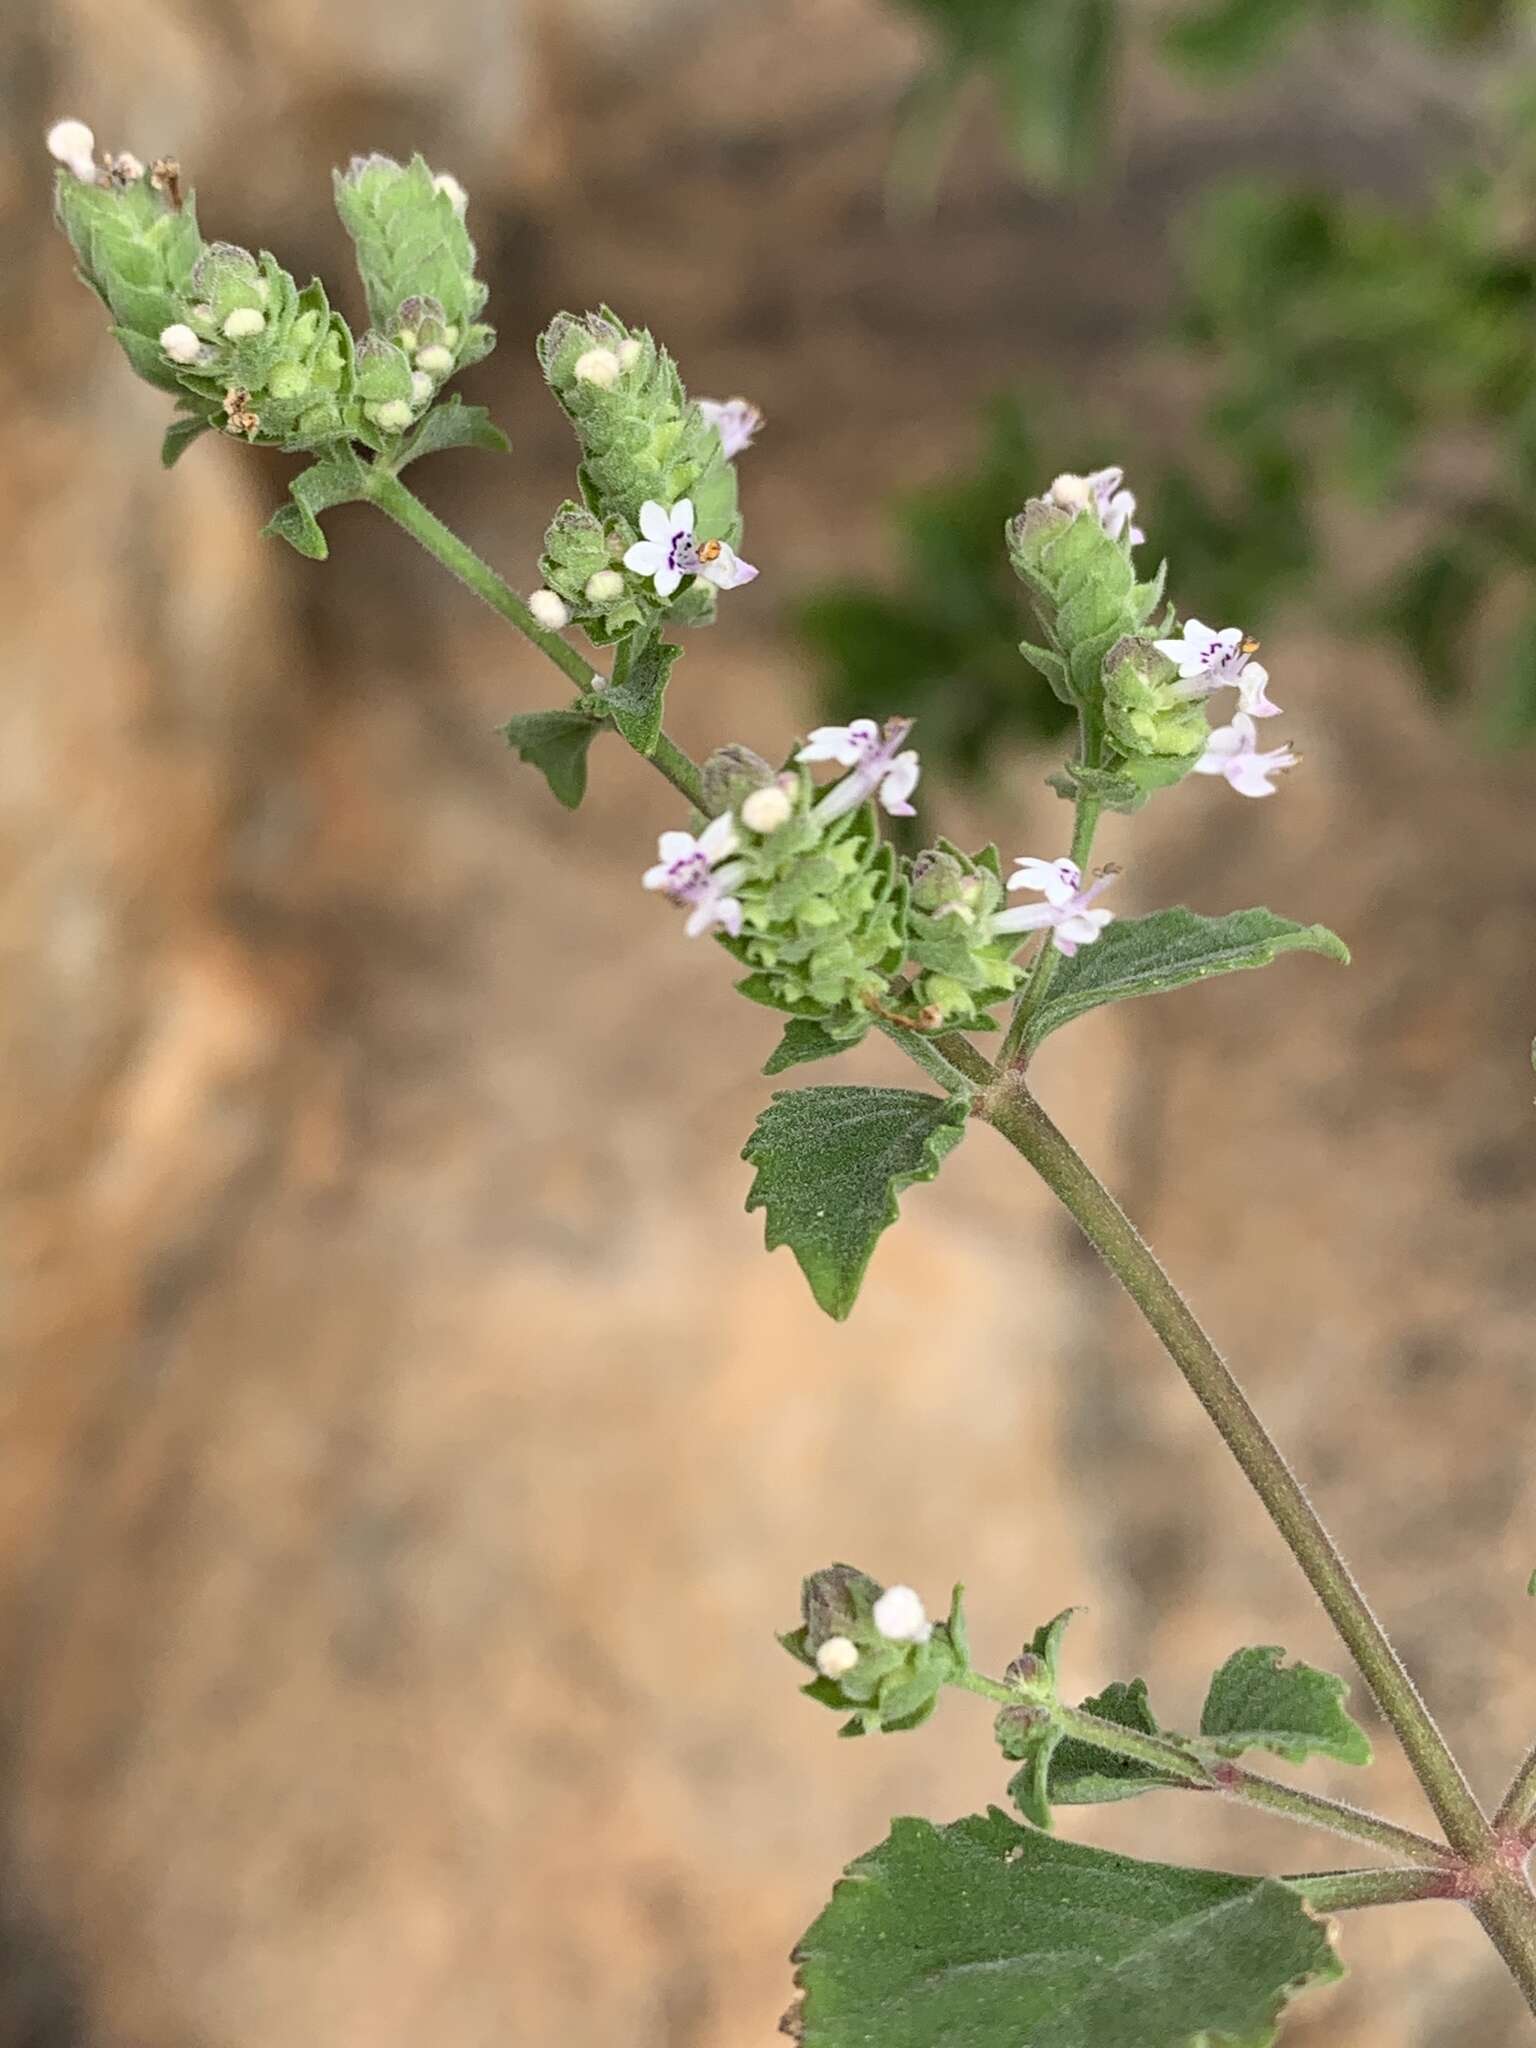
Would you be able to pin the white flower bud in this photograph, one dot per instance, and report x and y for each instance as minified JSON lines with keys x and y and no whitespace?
{"x":244,"y":323}
{"x":765,"y":810}
{"x":837,"y":1657}
{"x":436,"y":361}
{"x":72,"y":144}
{"x":604,"y":585}
{"x":448,"y":184}
{"x":1071,"y":493}
{"x":630,"y":353}
{"x":394,"y":415}
{"x":180,"y":343}
{"x":599,"y":366}
{"x":422,"y":388}
{"x":901,"y":1617}
{"x":550,"y":610}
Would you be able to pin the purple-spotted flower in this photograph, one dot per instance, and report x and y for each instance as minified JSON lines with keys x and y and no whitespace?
{"x":1233,"y":751}
{"x":669,"y":551}
{"x":1067,"y":911}
{"x":1208,"y":660}
{"x":1102,"y":489}
{"x":736,"y":421}
{"x":875,"y":760}
{"x":700,"y":873}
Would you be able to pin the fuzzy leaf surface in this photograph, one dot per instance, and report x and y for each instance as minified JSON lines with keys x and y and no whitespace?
{"x":556,"y":743}
{"x":1084,"y":1776}
{"x":1258,"y":1702}
{"x":1171,"y":949}
{"x":806,"y":1039}
{"x":996,"y":1936}
{"x":636,"y":692}
{"x":830,"y":1165}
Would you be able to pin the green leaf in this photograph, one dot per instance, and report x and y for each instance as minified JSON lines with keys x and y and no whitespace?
{"x":806,"y":1039}
{"x":336,"y":480}
{"x":556,"y":743}
{"x":179,"y":436}
{"x":452,"y":424}
{"x":1148,"y":956}
{"x":1084,"y":1776}
{"x":985,"y":1934}
{"x":636,"y":691}
{"x":1256,"y":1702}
{"x":830,"y":1165}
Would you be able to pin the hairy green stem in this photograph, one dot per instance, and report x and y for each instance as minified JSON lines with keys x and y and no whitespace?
{"x":1043,"y":969}
{"x":1517,"y":1809}
{"x":1506,"y":1912}
{"x":1341,"y":1891}
{"x":1014,"y":1112}
{"x":407,"y":511}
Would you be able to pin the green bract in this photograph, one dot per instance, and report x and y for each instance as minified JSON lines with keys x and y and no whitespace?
{"x":412,"y":247}
{"x":137,"y":251}
{"x":965,"y":966}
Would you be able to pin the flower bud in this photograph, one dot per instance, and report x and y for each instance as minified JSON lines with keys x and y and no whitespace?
{"x":901,"y":1617}
{"x":1071,"y":493}
{"x":836,"y":1657}
{"x":446,"y":183}
{"x":549,"y":610}
{"x":244,"y":323}
{"x":630,"y":351}
{"x":766,"y":809}
{"x":604,"y":585}
{"x":599,"y":366}
{"x":422,"y":388}
{"x":180,"y":343}
{"x":436,"y":360}
{"x":729,"y":777}
{"x":72,"y":144}
{"x":394,"y":415}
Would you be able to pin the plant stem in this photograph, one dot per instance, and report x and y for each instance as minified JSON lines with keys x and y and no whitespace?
{"x":1504,"y":1912}
{"x":1013,"y":1111}
{"x":1340,"y":1891}
{"x":407,"y":511}
{"x":1043,"y":970}
{"x":1518,"y":1807}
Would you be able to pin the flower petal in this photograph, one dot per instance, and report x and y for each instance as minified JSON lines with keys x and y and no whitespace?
{"x":667,"y":580}
{"x":655,"y":522}
{"x":645,"y":557}
{"x":681,"y":516}
{"x":718,"y":838}
{"x":1028,"y":917}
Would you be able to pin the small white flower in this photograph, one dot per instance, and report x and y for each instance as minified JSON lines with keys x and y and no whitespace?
{"x":837,"y":1657}
{"x":1099,"y":492}
{"x":690,"y":871}
{"x":875,"y":760}
{"x":72,"y":144}
{"x":599,"y":366}
{"x":630,"y":352}
{"x":550,"y":609}
{"x":1233,"y":751}
{"x":446,"y":183}
{"x":244,"y":324}
{"x":766,"y":809}
{"x":1067,"y":911}
{"x":1208,"y":660}
{"x":603,"y":586}
{"x":394,"y":415}
{"x":669,"y":551}
{"x":901,"y":1616}
{"x":736,"y":421}
{"x":422,"y":388}
{"x":436,"y":360}
{"x":180,"y":343}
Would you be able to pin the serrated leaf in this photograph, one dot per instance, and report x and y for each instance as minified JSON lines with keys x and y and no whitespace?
{"x":337,"y":480}
{"x":1147,"y":956}
{"x":453,"y":424}
{"x":1293,"y":1710}
{"x":996,"y":1936}
{"x":1084,"y":1776}
{"x":636,"y":692}
{"x":806,"y":1039}
{"x":556,"y":743}
{"x":830,"y":1165}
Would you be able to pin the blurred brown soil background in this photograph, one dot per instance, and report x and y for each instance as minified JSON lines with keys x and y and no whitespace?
{"x":407,"y":1450}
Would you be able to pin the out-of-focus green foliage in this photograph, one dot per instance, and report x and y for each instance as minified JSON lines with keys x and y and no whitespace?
{"x":942,"y":641}
{"x":1362,"y":351}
